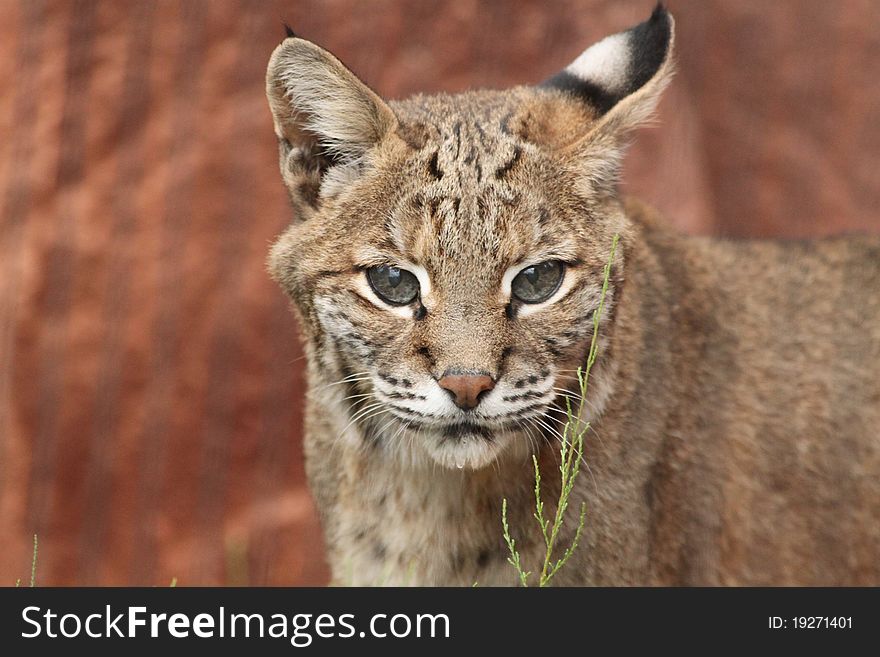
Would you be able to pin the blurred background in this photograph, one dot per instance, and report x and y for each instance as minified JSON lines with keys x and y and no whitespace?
{"x":150,"y":373}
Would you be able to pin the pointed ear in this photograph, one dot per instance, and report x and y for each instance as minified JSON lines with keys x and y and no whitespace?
{"x":326,"y":120}
{"x":622,"y":76}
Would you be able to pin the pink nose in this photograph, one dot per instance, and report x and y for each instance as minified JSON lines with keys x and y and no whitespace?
{"x":466,"y":389}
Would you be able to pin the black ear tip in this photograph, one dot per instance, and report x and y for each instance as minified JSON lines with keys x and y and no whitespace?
{"x":660,"y":13}
{"x":288,"y":31}
{"x":647,"y":47}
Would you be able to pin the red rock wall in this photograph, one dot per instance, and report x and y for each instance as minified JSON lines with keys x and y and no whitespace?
{"x":150,"y":377}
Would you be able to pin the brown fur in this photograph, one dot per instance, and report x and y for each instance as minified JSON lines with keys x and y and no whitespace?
{"x":735,"y":404}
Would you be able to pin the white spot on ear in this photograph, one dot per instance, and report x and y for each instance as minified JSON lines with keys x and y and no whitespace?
{"x":605,"y":64}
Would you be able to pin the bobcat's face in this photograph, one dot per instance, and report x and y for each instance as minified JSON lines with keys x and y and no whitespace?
{"x":455,"y":282}
{"x":448,"y":255}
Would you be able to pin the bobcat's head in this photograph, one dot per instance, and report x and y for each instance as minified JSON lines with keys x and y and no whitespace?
{"x":447,"y":252}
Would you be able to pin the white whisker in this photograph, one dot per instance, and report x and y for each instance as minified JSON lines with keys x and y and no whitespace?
{"x":559,"y":437}
{"x":581,"y":423}
{"x":360,"y":415}
{"x":351,"y":378}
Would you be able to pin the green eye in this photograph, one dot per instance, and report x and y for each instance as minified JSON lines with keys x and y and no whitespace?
{"x":537,"y":283}
{"x":393,"y":285}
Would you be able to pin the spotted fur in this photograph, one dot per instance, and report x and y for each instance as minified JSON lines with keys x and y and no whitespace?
{"x":735,"y":401}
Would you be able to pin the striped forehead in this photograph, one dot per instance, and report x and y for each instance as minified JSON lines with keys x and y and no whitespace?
{"x":476,"y":153}
{"x":468,"y":192}
{"x":458,"y":219}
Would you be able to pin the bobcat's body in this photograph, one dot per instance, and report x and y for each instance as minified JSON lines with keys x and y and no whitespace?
{"x":735,"y":402}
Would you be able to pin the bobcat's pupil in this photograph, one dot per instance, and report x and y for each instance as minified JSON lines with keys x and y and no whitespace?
{"x":393,"y":285}
{"x":537,"y":283}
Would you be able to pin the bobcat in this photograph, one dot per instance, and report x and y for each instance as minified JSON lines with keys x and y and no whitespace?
{"x":445,"y":263}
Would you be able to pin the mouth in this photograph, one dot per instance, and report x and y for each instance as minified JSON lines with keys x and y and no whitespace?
{"x":461,"y":430}
{"x":464,"y":430}
{"x":469,"y":444}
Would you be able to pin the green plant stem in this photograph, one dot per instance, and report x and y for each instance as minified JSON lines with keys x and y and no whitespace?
{"x":513,"y":559}
{"x":570,"y":457}
{"x":34,"y":564}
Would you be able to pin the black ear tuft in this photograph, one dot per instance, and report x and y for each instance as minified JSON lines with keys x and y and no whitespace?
{"x":620,"y":64}
{"x":289,"y":32}
{"x":649,"y":43}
